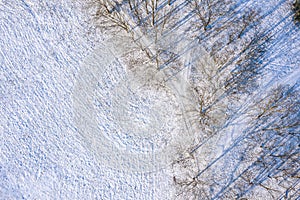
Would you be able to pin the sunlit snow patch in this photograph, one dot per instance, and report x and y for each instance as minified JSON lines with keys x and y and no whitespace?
{"x":130,"y":121}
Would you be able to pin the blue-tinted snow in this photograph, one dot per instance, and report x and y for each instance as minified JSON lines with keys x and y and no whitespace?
{"x":42,"y":44}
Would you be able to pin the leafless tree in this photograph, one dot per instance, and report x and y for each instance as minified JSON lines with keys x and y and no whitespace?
{"x":208,"y":11}
{"x":145,"y":20}
{"x":209,"y":112}
{"x":203,"y":9}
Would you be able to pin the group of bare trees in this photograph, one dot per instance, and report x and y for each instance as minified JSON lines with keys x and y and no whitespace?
{"x":274,"y":140}
{"x":263,"y":160}
{"x":114,"y":13}
{"x":236,"y":45}
{"x":144,"y":20}
{"x":275,"y":166}
{"x":234,"y":63}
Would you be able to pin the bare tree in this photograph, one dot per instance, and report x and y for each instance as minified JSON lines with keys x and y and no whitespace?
{"x":207,"y":11}
{"x":208,"y":88}
{"x":145,"y":20}
{"x":203,"y":9}
{"x":107,"y":12}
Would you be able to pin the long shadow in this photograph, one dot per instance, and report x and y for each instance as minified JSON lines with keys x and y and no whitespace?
{"x":208,"y":36}
{"x":196,"y":42}
{"x":283,"y":144}
{"x":181,"y":21}
{"x":256,"y":67}
{"x":288,"y":195}
{"x":263,"y":170}
{"x":266,"y":174}
{"x":185,"y":19}
{"x":247,"y":133}
{"x":262,"y":173}
{"x":265,"y":34}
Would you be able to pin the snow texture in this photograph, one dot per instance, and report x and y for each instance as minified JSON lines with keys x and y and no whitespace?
{"x":139,"y":123}
{"x":42,"y":154}
{"x":78,"y":122}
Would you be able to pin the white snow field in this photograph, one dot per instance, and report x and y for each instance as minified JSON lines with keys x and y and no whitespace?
{"x":133,"y":119}
{"x":84,"y":116}
{"x":43,"y":155}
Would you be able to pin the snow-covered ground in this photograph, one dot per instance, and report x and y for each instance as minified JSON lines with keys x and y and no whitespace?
{"x":79,"y":121}
{"x":43,"y":155}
